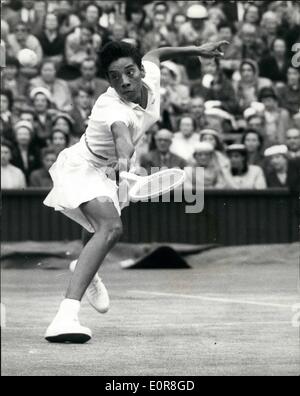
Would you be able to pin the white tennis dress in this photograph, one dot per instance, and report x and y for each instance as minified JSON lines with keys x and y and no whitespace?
{"x":79,"y":172}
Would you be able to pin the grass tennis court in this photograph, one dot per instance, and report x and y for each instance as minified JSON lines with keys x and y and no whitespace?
{"x":231,"y":314}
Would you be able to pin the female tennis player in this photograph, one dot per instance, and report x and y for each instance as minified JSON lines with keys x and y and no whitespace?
{"x":82,"y":188}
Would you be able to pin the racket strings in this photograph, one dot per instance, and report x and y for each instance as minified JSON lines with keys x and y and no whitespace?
{"x":158,"y":185}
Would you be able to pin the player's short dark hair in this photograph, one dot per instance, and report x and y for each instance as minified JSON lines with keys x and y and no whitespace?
{"x":113,"y":51}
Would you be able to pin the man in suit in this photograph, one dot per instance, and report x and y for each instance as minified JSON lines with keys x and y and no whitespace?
{"x":161,"y":157}
{"x":88,"y":80}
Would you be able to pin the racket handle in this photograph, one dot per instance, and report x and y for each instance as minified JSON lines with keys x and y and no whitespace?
{"x":129,"y":176}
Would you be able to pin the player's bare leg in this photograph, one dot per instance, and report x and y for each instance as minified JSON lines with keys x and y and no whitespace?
{"x":108,"y":228}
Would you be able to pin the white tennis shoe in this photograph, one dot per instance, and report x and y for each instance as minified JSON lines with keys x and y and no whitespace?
{"x":96,"y":293}
{"x":67,"y":331}
{"x":65,"y":327}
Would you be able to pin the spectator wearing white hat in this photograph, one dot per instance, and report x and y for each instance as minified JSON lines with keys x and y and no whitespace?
{"x":213,"y":175}
{"x":213,"y":137}
{"x":243,"y":176}
{"x":43,"y":111}
{"x":161,"y":157}
{"x":60,"y":91}
{"x":293,"y":142}
{"x":11,"y":176}
{"x":175,"y":96}
{"x":25,"y":156}
{"x":277,"y":174}
{"x":185,"y":139}
{"x":197,"y":29}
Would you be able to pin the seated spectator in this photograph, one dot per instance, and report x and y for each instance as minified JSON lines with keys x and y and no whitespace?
{"x":241,"y":175}
{"x":64,"y":122}
{"x":290,"y":93}
{"x":88,"y":81}
{"x":52,"y":41}
{"x":59,"y":140}
{"x":6,"y":104}
{"x":11,"y":176}
{"x":43,"y":112}
{"x":24,"y":155}
{"x":60,"y":92}
{"x":247,"y":89}
{"x":81,"y":45}
{"x":232,"y":56}
{"x":118,"y":32}
{"x":178,"y":20}
{"x":251,"y":45}
{"x":175,"y":96}
{"x":275,"y":65}
{"x":216,"y":16}
{"x":162,"y":157}
{"x":41,"y":177}
{"x":160,"y":35}
{"x":296,"y":120}
{"x":197,"y":111}
{"x":252,"y":15}
{"x":81,"y":112}
{"x":137,"y":21}
{"x":292,"y":138}
{"x":253,"y":141}
{"x":184,"y":141}
{"x":270,"y":28}
{"x":197,"y":29}
{"x":212,"y":137}
{"x":277,"y":173}
{"x":219,"y":89}
{"x":68,"y":21}
{"x":257,"y":123}
{"x":92,"y":15}
{"x":13,"y":81}
{"x":277,"y":120}
{"x":19,"y":39}
{"x":213,"y":176}
{"x":27,"y":114}
{"x":29,"y":15}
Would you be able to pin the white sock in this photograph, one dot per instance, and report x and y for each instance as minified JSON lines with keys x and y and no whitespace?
{"x":69,"y":308}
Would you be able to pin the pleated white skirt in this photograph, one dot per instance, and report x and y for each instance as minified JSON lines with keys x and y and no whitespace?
{"x":79,"y":177}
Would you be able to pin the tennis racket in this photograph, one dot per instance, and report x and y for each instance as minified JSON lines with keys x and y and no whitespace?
{"x":148,"y":187}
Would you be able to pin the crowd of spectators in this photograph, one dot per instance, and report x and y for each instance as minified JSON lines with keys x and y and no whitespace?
{"x":237,"y":117}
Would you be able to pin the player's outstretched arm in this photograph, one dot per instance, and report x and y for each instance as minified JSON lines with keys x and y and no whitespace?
{"x":208,"y":50}
{"x":123,"y":142}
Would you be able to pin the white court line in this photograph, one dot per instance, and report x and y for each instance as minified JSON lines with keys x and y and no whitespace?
{"x":138,"y":326}
{"x":215,"y":299}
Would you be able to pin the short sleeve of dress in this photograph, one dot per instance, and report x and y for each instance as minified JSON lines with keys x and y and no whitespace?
{"x":152,"y":77}
{"x":110,"y":113}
